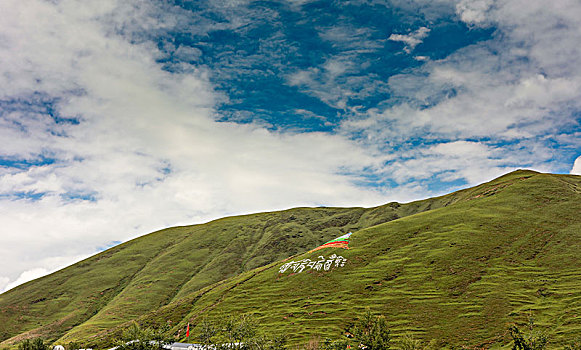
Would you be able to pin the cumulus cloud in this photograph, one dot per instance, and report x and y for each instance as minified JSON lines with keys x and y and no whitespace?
{"x":114,"y":146}
{"x":411,"y":40}
{"x":514,"y":94}
{"x":474,"y":162}
{"x":106,"y":144}
{"x":473,"y":11}
{"x":576,"y":170}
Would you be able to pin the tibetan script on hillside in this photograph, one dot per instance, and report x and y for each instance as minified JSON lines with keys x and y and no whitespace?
{"x":318,"y":265}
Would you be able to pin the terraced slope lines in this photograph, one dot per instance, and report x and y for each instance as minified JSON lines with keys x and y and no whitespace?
{"x":136,"y":277}
{"x":457,"y":268}
{"x":457,"y":274}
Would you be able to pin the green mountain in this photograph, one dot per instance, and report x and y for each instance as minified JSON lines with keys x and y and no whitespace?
{"x":455,"y":268}
{"x":136,"y":277}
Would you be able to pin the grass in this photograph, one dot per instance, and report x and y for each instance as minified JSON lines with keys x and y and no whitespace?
{"x":456,"y":268}
{"x":141,"y":275}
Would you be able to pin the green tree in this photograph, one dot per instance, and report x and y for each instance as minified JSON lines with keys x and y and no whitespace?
{"x":137,"y":338}
{"x":239,"y":330}
{"x":207,"y":332}
{"x":237,"y":333}
{"x":533,"y":340}
{"x":372,"y":333}
{"x":73,"y":346}
{"x":35,"y":344}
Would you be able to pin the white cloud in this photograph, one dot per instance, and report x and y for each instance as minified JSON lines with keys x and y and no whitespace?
{"x":4,"y":281}
{"x":473,"y":11}
{"x":411,"y":40}
{"x":421,"y":58}
{"x":335,"y":83}
{"x":350,"y":37}
{"x":474,"y":162}
{"x":146,"y":153}
{"x":516,"y":92}
{"x":24,"y":277}
{"x":576,"y":170}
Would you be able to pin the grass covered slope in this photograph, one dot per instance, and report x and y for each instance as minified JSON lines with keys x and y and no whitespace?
{"x":458,"y":274}
{"x":141,"y":275}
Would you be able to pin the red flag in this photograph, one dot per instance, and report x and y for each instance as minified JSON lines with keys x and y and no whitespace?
{"x":188,"y":331}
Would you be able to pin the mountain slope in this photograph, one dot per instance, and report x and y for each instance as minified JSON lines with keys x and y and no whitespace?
{"x":455,"y":268}
{"x":138,"y":276}
{"x":458,"y":274}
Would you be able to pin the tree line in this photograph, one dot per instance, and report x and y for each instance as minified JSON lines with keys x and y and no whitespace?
{"x":369,"y":332}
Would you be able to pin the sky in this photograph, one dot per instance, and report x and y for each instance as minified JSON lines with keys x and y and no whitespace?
{"x":121,"y":117}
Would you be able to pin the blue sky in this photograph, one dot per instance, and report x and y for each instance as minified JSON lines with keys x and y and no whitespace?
{"x":121,"y":117}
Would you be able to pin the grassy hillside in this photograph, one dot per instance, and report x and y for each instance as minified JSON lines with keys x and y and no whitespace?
{"x":456,"y":268}
{"x":458,"y":273}
{"x":136,"y":277}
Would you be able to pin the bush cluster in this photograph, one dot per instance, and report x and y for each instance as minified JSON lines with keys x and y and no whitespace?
{"x":34,"y":344}
{"x":237,"y":333}
{"x":370,"y":332}
{"x":137,"y":338}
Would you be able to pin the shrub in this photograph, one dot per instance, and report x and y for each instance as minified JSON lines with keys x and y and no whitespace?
{"x":408,"y":342}
{"x":239,"y":330}
{"x":136,"y":338}
{"x":372,"y":332}
{"x":531,"y":341}
{"x":35,"y":344}
{"x":237,"y":333}
{"x":74,"y":346}
{"x":207,"y":332}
